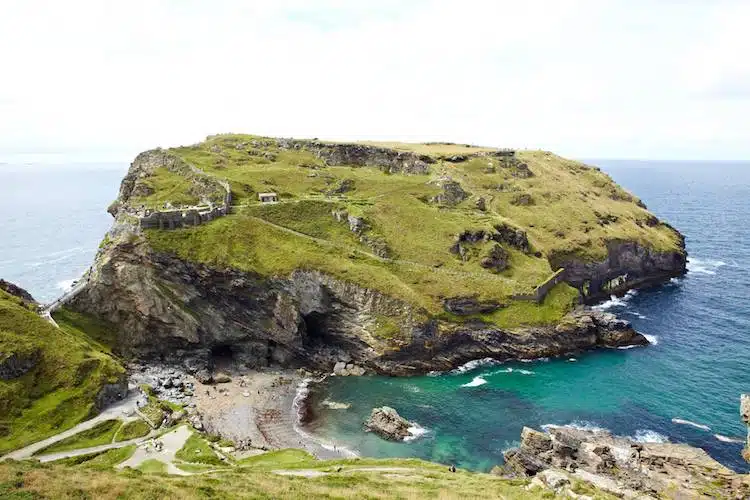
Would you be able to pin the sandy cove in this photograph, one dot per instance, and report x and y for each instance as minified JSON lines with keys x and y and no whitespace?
{"x":257,"y":410}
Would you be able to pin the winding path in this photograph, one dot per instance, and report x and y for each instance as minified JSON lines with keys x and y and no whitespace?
{"x":118,"y":410}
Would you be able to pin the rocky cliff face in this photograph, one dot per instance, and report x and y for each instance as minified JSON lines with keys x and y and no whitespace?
{"x":627,"y":265}
{"x":568,"y":460}
{"x":171,"y":310}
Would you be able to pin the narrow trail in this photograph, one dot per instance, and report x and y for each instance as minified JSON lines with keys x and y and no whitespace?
{"x":51,"y":457}
{"x":119,"y":410}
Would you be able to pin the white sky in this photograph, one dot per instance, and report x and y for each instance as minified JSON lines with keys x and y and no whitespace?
{"x":584,"y":78}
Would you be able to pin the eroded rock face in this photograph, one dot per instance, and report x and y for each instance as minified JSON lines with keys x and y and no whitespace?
{"x":16,"y":365}
{"x":628,"y":265}
{"x":619,"y":466}
{"x":388,"y":160}
{"x":388,"y":424}
{"x":184,"y":313}
{"x":452,"y":193}
{"x":17,"y":291}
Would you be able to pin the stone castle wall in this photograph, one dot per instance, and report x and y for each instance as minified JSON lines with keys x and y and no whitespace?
{"x":541,"y":291}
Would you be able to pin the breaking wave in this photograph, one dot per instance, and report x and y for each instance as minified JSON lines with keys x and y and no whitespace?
{"x":476,"y":382}
{"x":581,"y":425}
{"x":681,"y":421}
{"x":649,"y":436}
{"x":704,"y":266}
{"x":652,"y":339}
{"x":727,"y":439}
{"x":416,"y":431}
{"x":473,"y":365}
{"x":513,"y":370}
{"x":615,"y":301}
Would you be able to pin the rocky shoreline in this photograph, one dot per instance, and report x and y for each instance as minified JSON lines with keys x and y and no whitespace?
{"x":564,"y":459}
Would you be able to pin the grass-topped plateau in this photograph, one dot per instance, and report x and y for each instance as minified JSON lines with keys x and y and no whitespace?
{"x":407,"y":242}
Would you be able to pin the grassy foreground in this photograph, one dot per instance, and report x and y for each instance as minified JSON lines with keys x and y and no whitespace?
{"x":339,"y":479}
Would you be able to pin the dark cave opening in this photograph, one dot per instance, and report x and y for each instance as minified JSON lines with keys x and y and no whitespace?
{"x":315,"y":327}
{"x":222,"y":355}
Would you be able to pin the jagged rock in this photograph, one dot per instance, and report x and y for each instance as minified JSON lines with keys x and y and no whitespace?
{"x":620,"y":466}
{"x":111,"y":393}
{"x":388,"y":160}
{"x":481,"y":204}
{"x":344,"y":369}
{"x":17,"y":364}
{"x":356,"y":224}
{"x":222,"y":378}
{"x":388,"y":424}
{"x":452,"y":194}
{"x":511,"y":236}
{"x":496,"y":260}
{"x":456,"y":158}
{"x":469,"y":305}
{"x":17,"y":291}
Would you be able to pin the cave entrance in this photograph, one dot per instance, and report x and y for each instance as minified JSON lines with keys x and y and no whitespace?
{"x":315,"y":327}
{"x":222,"y":356}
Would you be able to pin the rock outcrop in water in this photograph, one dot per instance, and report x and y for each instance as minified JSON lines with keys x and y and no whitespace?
{"x":568,"y":460}
{"x":388,"y":424}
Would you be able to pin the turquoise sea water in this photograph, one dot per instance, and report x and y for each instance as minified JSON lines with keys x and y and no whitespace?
{"x":695,"y":372}
{"x":52,"y":218}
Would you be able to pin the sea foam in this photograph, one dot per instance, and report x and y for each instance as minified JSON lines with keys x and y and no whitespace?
{"x":473,"y":365}
{"x":704,"y":266}
{"x":652,"y":339}
{"x":649,"y":436}
{"x":681,"y":421}
{"x":476,"y":382}
{"x":416,"y":431}
{"x":727,"y":439}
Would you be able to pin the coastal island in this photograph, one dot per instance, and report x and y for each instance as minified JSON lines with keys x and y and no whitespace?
{"x":239,"y":269}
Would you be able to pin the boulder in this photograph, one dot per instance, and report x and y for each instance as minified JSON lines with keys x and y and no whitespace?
{"x":388,"y":424}
{"x":496,"y":260}
{"x":222,"y":378}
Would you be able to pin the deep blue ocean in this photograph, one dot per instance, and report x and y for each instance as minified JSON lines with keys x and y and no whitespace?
{"x":52,"y":218}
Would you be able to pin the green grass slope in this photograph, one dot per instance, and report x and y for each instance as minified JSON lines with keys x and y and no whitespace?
{"x":345,"y":479}
{"x":60,"y":389}
{"x":564,"y":207}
